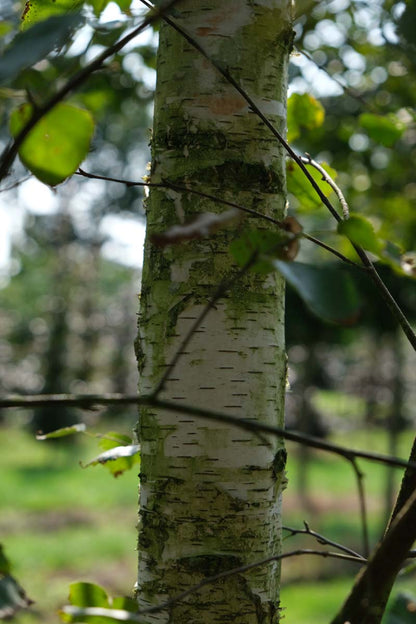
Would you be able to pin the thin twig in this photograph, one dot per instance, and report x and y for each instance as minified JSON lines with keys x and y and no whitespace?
{"x":363,"y":507}
{"x":253,"y":106}
{"x":308,"y":160}
{"x":219,"y":200}
{"x":333,"y":251}
{"x":218,"y":294}
{"x":183,"y":189}
{"x":321,"y":539}
{"x":248,"y":567}
{"x":89,"y":401}
{"x":351,"y":92}
{"x":385,"y":293}
{"x":368,"y":597}
{"x":39,"y":112}
{"x":407,"y":487}
{"x":15,"y":184}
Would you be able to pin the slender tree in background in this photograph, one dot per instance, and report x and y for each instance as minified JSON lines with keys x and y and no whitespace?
{"x":210,"y":494}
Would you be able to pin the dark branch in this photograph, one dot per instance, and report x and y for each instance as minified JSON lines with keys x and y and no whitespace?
{"x":407,"y":487}
{"x":221,"y":290}
{"x":367,"y":600}
{"x":93,"y":400}
{"x":218,"y":200}
{"x":39,"y":112}
{"x":321,"y":539}
{"x":384,"y":291}
{"x":363,"y":507}
{"x":250,"y":566}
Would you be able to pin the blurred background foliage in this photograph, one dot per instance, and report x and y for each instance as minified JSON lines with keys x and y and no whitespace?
{"x":69,"y":287}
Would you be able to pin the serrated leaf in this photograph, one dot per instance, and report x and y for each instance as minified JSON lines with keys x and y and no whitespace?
{"x":361,"y":232}
{"x":300,"y":187}
{"x":327,"y":290}
{"x":40,"y":40}
{"x":386,"y":129}
{"x":63,"y":432}
{"x":303,"y":111}
{"x":58,"y":143}
{"x":39,"y":10}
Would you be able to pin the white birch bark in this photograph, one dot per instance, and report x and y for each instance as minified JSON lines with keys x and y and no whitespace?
{"x":210,"y":495}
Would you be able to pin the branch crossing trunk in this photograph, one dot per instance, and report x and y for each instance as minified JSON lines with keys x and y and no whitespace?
{"x":210,"y":495}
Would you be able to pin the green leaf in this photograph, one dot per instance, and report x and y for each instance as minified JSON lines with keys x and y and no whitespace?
{"x":98,"y":615}
{"x":88,"y":595}
{"x":5,"y":566}
{"x":83,"y":596}
{"x":300,"y":187}
{"x":402,"y":610}
{"x":361,"y":232}
{"x":385,"y":130}
{"x":265,"y":244}
{"x":406,"y":23}
{"x":117,"y":458}
{"x":327,"y":290}
{"x":98,"y":6}
{"x":112,"y":439}
{"x":303,"y":111}
{"x":114,"y":454}
{"x":124,"y":602}
{"x":124,"y":5}
{"x":40,"y":40}
{"x":148,"y":54}
{"x":61,"y":433}
{"x":12,"y":597}
{"x":58,"y":143}
{"x":90,"y":603}
{"x":39,"y":10}
{"x":5,"y":27}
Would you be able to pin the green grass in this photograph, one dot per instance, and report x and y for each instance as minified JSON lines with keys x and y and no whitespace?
{"x":60,"y":523}
{"x":317,"y":603}
{"x":313,"y":603}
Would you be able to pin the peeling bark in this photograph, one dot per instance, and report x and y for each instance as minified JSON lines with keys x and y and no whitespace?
{"x":210,"y":495}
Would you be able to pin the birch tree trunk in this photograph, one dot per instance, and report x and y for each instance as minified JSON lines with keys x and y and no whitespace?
{"x":210,"y":494}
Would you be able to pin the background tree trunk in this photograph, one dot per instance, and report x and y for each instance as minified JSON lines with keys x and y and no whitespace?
{"x":210,"y":495}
